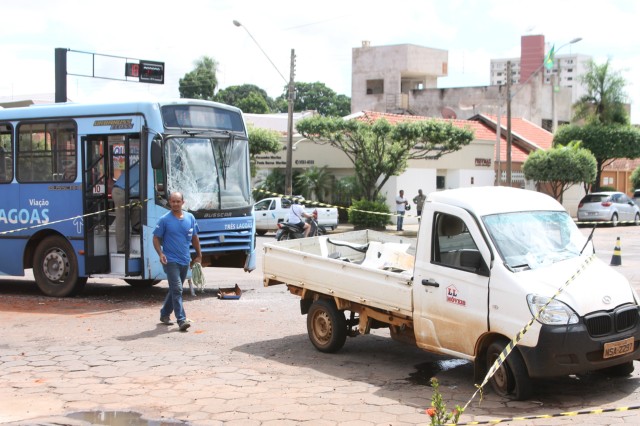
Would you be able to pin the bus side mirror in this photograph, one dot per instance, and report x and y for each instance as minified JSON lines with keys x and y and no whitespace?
{"x":156,"y":153}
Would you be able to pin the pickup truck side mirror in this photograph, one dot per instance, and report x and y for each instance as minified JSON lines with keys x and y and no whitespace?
{"x":472,"y":260}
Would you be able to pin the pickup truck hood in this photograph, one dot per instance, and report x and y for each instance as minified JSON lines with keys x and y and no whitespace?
{"x":597,"y":287}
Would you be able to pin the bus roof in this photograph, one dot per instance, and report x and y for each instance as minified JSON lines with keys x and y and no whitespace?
{"x":70,"y":109}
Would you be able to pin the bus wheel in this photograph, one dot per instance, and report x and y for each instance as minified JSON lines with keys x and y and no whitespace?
{"x":55,"y":268}
{"x":142,"y":283}
{"x":326,"y":326}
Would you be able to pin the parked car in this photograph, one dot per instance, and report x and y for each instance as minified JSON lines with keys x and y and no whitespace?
{"x":271,"y":211}
{"x":608,"y":206}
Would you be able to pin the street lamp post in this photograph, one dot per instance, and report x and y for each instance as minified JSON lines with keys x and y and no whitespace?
{"x":510,"y":97}
{"x":290,"y":98}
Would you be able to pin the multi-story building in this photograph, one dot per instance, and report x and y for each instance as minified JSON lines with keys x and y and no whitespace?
{"x":566,"y":71}
{"x":402,"y":79}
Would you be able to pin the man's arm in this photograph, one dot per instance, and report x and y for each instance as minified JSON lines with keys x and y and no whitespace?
{"x":157,"y":244}
{"x":195,"y":242}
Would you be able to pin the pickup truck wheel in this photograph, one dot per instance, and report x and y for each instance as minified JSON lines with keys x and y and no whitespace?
{"x":261,"y":232}
{"x":326,"y":326}
{"x":511,"y":380}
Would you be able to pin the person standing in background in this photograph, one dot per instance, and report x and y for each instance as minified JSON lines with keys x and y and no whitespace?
{"x":176,"y":230}
{"x":401,"y":205}
{"x":419,"y":202}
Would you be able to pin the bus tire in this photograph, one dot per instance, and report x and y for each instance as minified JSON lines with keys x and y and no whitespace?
{"x":55,"y":268}
{"x":141,"y":283}
{"x":511,"y":380}
{"x":326,"y":326}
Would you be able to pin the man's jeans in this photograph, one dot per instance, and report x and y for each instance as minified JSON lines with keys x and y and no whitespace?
{"x":176,"y":274}
{"x":400,"y":220}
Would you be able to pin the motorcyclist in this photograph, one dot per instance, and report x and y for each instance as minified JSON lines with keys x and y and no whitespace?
{"x":297,"y":217}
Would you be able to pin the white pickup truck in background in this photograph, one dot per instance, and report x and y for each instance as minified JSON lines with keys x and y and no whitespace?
{"x":271,"y":211}
{"x":485,"y":261}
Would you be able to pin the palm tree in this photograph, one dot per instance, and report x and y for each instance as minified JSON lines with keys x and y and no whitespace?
{"x":314,"y":183}
{"x":605,"y":98}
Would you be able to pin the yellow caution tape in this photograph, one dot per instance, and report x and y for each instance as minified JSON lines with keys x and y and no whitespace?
{"x":548,"y":416}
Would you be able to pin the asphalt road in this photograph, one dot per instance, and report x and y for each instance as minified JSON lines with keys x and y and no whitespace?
{"x":104,"y":355}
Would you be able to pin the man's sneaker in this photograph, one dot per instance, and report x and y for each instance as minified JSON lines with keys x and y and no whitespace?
{"x":183,"y":325}
{"x":165,"y":320}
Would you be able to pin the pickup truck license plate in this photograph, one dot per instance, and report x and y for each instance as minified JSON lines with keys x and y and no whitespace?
{"x":621,"y":347}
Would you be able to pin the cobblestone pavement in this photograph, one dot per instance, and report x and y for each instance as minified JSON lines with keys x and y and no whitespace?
{"x":249,"y":362}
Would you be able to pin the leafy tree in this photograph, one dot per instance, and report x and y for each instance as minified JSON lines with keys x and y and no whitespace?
{"x":380,"y":150}
{"x":316,"y":96}
{"x":635,"y":178}
{"x":605,"y":98}
{"x":201,"y":82}
{"x":606,"y":142}
{"x":254,"y":104}
{"x":314,"y":183}
{"x":261,"y":141}
{"x":238,"y":95}
{"x":561,"y":167}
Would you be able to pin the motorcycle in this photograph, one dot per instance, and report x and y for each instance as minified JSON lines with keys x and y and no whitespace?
{"x":287,"y":231}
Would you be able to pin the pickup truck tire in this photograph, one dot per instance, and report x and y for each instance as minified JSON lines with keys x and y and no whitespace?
{"x":327,"y":326}
{"x":511,"y":380}
{"x":261,"y":232}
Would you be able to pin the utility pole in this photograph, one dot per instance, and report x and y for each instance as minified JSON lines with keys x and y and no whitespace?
{"x":289,"y":173}
{"x":508,"y":123}
{"x":61,"y":74}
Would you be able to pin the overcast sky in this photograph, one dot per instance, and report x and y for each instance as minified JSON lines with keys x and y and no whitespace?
{"x":323,"y":35}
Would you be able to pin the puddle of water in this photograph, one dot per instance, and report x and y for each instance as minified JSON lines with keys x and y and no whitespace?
{"x":120,"y":418}
{"x":427,"y":370}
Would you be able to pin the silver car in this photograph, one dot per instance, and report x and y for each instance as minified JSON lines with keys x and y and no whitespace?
{"x":614,"y":207}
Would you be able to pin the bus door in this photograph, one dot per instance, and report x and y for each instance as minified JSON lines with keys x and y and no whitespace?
{"x":124,"y":166}
{"x":95,"y":187}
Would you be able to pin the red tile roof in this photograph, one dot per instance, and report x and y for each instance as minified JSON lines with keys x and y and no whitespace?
{"x":527,"y":137}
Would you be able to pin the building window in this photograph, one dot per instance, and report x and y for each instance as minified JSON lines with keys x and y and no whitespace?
{"x":440,"y":182}
{"x":499,"y":74}
{"x":569,"y":78}
{"x":569,"y":69}
{"x":375,"y":87}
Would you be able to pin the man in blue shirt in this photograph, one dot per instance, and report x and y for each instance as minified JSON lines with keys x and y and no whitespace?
{"x":176,"y":230}
{"x":118,"y":196}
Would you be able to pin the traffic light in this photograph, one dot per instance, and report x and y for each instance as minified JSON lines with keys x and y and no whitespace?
{"x":146,"y":71}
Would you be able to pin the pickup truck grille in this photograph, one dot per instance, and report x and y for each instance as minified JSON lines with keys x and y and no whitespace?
{"x":605,"y":323}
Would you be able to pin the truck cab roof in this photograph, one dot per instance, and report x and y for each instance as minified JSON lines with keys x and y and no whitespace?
{"x":488,"y":200}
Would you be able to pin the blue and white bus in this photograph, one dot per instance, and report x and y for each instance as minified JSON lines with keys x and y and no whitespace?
{"x":58,"y":164}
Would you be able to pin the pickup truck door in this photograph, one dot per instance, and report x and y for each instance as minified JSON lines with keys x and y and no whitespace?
{"x":264,"y":211}
{"x":451,"y":282}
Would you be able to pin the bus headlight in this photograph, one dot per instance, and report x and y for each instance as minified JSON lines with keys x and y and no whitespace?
{"x":555,"y":313}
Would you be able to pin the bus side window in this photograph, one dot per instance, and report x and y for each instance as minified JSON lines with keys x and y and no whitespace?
{"x":45,"y":151}
{"x":6,"y":154}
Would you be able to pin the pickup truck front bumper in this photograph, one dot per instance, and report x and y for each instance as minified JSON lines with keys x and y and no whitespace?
{"x":564,"y":350}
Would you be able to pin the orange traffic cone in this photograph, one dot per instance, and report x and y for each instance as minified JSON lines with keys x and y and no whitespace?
{"x":616,"y":260}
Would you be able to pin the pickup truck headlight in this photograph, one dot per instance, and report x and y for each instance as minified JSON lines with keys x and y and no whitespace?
{"x":556,"y":313}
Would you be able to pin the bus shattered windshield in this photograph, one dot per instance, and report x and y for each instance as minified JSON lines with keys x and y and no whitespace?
{"x":528,"y":240}
{"x":211,"y":172}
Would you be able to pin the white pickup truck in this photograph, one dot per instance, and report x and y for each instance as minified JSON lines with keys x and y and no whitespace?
{"x":486,"y":261}
{"x":271,"y":211}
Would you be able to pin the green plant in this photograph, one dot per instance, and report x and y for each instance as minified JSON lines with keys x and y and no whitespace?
{"x":438,"y":410}
{"x":369,"y":214}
